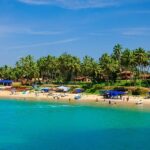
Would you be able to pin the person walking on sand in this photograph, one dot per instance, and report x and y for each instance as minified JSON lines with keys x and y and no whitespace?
{"x":109,"y":102}
{"x":36,"y":94}
{"x":127,"y":98}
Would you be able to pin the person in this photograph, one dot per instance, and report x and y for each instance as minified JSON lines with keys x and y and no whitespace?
{"x":121,"y":97}
{"x":36,"y":94}
{"x":109,"y":101}
{"x":13,"y":91}
{"x":127,"y":98}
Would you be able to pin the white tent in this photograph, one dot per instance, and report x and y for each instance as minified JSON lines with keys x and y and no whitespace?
{"x":65,"y":89}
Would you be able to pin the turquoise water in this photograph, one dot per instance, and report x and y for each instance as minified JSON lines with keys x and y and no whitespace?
{"x":50,"y":126}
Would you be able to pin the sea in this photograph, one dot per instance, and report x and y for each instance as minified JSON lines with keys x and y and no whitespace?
{"x":31,"y":125}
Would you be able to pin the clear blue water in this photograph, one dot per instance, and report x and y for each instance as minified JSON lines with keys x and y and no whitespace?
{"x":50,"y":126}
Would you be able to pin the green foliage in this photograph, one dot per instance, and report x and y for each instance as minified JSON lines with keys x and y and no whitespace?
{"x":139,"y":91}
{"x":16,"y":84}
{"x":65,"y":68}
{"x":120,"y":89}
{"x":27,"y":67}
{"x":94,"y":89}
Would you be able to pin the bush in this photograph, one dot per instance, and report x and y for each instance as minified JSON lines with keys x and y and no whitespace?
{"x":16,"y":84}
{"x":87,"y":86}
{"x":139,"y":91}
{"x":92,"y":88}
{"x":121,"y":89}
{"x":146,"y":83}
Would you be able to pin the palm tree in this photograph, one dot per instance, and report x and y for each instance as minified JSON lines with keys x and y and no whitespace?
{"x":91,"y":68}
{"x":127,"y":59}
{"x":69,"y":66}
{"x":109,"y":66}
{"x":117,"y":53}
{"x":141,"y":62}
{"x":7,"y":72}
{"x":48,"y":67}
{"x":141,"y":59}
{"x":27,"y":67}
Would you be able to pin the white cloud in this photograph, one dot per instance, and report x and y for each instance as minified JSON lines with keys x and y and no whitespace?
{"x":137,"y":31}
{"x":126,"y":32}
{"x":80,"y":4}
{"x":142,"y":11}
{"x":32,"y":32}
{"x":8,"y":30}
{"x":73,"y":4}
{"x":36,"y":2}
{"x":44,"y":43}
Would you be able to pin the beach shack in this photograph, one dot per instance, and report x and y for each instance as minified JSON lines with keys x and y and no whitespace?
{"x":6,"y":82}
{"x":82,"y":79}
{"x":126,"y":75}
{"x":113,"y":94}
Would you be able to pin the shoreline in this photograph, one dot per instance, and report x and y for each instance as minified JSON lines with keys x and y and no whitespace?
{"x":85,"y":99}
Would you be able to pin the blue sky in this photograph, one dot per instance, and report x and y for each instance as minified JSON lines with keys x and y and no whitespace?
{"x":79,"y":27}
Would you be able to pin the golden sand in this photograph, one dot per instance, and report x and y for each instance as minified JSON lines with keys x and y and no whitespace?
{"x":85,"y":98}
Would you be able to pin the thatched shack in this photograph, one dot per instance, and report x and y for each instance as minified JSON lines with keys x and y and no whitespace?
{"x":82,"y":79}
{"x":126,"y":75}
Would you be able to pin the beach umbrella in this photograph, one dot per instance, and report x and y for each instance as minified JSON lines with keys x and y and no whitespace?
{"x":45,"y":89}
{"x":78,"y":90}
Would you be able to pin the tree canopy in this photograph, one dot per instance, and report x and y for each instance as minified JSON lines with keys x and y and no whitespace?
{"x":66,"y":67}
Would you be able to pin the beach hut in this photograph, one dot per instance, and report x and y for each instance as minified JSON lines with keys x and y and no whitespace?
{"x":113,"y":94}
{"x":6,"y":82}
{"x":126,"y":75}
{"x":82,"y":79}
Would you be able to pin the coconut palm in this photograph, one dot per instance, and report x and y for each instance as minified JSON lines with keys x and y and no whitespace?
{"x":127,"y":59}
{"x":27,"y":67}
{"x":109,"y":66}
{"x":91,"y":68}
{"x":69,"y":66}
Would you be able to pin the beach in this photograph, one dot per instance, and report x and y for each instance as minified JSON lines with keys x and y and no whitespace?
{"x":85,"y":98}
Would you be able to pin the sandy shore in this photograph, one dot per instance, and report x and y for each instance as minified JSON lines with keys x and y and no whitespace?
{"x":90,"y":99}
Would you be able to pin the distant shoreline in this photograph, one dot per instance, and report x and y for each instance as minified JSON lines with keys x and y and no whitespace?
{"x":85,"y":99}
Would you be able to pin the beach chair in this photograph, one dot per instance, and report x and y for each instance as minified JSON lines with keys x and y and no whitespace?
{"x":56,"y":96}
{"x":139,"y":102}
{"x":77,"y":97}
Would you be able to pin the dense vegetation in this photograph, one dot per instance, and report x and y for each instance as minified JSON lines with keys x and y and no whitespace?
{"x":66,"y":67}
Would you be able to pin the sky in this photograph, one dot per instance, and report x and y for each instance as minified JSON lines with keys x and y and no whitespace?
{"x":77,"y":27}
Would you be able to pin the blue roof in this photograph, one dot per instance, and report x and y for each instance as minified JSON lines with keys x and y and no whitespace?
{"x":114,"y":93}
{"x":6,"y":81}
